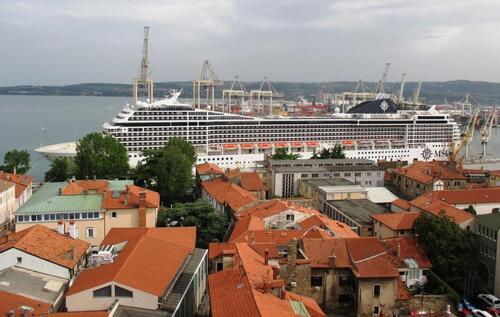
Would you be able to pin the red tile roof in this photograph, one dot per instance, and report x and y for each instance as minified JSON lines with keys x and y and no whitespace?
{"x":251,"y":181}
{"x":369,"y":258}
{"x":311,"y":305}
{"x":208,"y":169}
{"x":319,"y":251}
{"x":402,"y":291}
{"x":228,"y":193}
{"x":244,"y":225}
{"x":81,"y":186}
{"x":47,"y":244}
{"x":399,"y":220}
{"x":216,"y":249}
{"x":129,"y":198}
{"x":495,"y":173}
{"x":427,"y":172}
{"x":401,"y":203}
{"x":21,"y":181}
{"x":437,"y":207}
{"x":338,"y":229}
{"x":80,"y":314}
{"x":9,"y":300}
{"x":489,"y":195}
{"x":138,"y":264}
{"x":262,"y":236}
{"x":408,"y":248}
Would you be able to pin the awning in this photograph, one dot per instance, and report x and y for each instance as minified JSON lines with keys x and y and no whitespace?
{"x":264,"y":145}
{"x":347,"y":142}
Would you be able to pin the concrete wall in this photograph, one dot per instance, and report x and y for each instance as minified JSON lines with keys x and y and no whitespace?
{"x":7,"y":206}
{"x":280,"y":219}
{"x":481,"y":209}
{"x":366,"y":301}
{"x":85,"y":301}
{"x":128,"y":218}
{"x":9,"y":259}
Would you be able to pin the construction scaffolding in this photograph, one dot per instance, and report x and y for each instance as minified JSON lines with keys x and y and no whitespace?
{"x":208,"y":82}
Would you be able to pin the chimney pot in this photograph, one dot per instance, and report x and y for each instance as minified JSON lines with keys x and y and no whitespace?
{"x":266,"y":256}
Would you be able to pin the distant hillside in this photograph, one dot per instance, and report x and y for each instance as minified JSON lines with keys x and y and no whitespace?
{"x":486,"y":93}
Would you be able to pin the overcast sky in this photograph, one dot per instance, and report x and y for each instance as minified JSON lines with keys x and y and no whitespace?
{"x":64,"y":42}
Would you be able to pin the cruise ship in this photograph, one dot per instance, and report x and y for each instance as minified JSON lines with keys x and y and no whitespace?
{"x":375,"y":130}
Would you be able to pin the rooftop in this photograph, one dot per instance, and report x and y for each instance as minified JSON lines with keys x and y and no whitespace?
{"x":380,"y":195}
{"x":398,"y":221}
{"x":490,"y":220}
{"x":437,"y":207}
{"x":208,"y":169}
{"x":227,"y":192}
{"x":360,"y":210}
{"x":138,"y":264}
{"x":251,"y":181}
{"x":400,"y":250}
{"x":47,"y":244}
{"x":10,"y":301}
{"x":401,"y":203}
{"x":428,"y":172}
{"x":37,"y":286}
{"x":337,"y":181}
{"x":489,"y":195}
{"x":21,"y":181}
{"x":5,"y":185}
{"x":322,"y":162}
{"x":92,"y":195}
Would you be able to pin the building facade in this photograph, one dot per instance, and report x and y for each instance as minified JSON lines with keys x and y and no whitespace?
{"x":7,"y":205}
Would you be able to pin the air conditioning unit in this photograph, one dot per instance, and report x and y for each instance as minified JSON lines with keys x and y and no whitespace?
{"x":293,"y":284}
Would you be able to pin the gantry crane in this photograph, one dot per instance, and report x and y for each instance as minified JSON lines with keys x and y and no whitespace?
{"x":401,"y":89}
{"x":237,"y":91}
{"x":416,"y":93}
{"x":266,"y":90}
{"x":465,"y":138}
{"x":208,"y":81}
{"x":144,"y":79}
{"x":380,"y":85}
{"x":486,"y":129}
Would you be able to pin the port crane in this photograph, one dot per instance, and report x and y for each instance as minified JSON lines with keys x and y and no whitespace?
{"x":380,"y":85}
{"x":487,"y":128}
{"x":208,"y":81}
{"x":416,"y":93}
{"x":465,"y":138}
{"x":144,"y":79}
{"x":237,"y":91}
{"x":258,"y":96}
{"x":401,"y":89}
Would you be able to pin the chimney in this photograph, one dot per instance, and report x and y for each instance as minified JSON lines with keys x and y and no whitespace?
{"x":142,"y":208}
{"x":12,"y":312}
{"x":86,"y":177}
{"x":266,"y":256}
{"x":332,"y":259}
{"x":72,"y":252}
{"x":73,"y":230}
{"x":60,"y":227}
{"x":60,"y":191}
{"x":292,"y":251}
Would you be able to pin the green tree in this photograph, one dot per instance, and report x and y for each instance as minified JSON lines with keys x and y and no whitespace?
{"x":61,"y":169}
{"x":210,"y":224}
{"x":16,"y":161}
{"x":169,"y":170}
{"x":471,"y":210}
{"x":281,"y":154}
{"x":451,"y":249}
{"x":101,"y":156}
{"x":337,"y":152}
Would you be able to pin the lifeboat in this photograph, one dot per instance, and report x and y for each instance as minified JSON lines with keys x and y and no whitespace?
{"x":230,"y":146}
{"x":297,"y":144}
{"x":264,"y":145}
{"x":347,"y":142}
{"x":312,"y":143}
{"x":247,"y":146}
{"x":280,"y":145}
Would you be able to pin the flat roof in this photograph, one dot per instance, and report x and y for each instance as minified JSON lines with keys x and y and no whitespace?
{"x":380,"y":195}
{"x":360,"y":210}
{"x":34,"y":285}
{"x":336,"y":181}
{"x":322,"y":161}
{"x":489,"y":220}
{"x":326,"y":168}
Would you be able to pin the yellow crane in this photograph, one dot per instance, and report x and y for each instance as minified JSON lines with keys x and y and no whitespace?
{"x":486,"y":129}
{"x":465,"y":138}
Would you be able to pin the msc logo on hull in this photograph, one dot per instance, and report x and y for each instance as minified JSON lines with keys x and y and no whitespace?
{"x":427,"y":153}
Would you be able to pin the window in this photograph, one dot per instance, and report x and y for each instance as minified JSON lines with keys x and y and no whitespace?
{"x":90,"y":232}
{"x":376,"y":290}
{"x":345,"y":300}
{"x":113,"y":214}
{"x":19,"y":260}
{"x":290,"y":217}
{"x":316,"y":280}
{"x":344,"y":280}
{"x":220,"y":266}
{"x":121,"y":292}
{"x":376,"y":310}
{"x":103,"y":292}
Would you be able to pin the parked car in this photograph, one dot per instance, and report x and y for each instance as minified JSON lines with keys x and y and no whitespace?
{"x":489,"y":300}
{"x":495,"y":312}
{"x":480,"y":313}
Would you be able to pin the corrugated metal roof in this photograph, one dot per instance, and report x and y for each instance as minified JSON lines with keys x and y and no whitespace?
{"x":380,"y":195}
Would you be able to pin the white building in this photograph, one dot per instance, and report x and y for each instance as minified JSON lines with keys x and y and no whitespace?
{"x":7,"y":204}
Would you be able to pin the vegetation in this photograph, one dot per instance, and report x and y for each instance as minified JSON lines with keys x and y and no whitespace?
{"x":337,"y":152}
{"x":16,"y":161}
{"x":436,"y":286}
{"x":281,"y":154}
{"x":61,"y":169}
{"x":451,"y":250}
{"x":169,"y":170}
{"x":101,"y":156}
{"x":210,"y":224}
{"x":471,"y":210}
